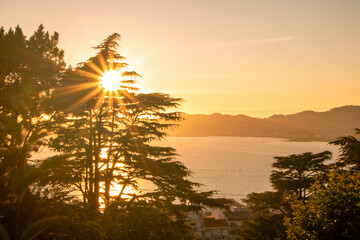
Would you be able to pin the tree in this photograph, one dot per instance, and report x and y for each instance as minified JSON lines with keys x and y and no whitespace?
{"x":350,"y":151}
{"x":87,"y":124}
{"x":268,"y":212}
{"x":118,"y":123}
{"x":268,"y":202}
{"x":104,"y":143}
{"x":105,"y":137}
{"x":29,"y":70}
{"x":292,"y":179}
{"x":332,"y":211}
{"x":295,"y":173}
{"x":265,"y":227}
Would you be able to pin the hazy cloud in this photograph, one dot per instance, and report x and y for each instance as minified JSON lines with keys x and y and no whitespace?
{"x":203,"y":76}
{"x":210,"y":76}
{"x":271,"y":40}
{"x":251,"y":42}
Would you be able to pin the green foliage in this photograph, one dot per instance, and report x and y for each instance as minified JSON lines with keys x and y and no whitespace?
{"x":332,"y":211}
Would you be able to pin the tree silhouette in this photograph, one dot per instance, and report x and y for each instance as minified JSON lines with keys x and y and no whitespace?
{"x":104,"y":141}
{"x":350,"y":151}
{"x":295,"y":173}
{"x":106,"y":137}
{"x":29,"y":71}
{"x":28,"y":74}
{"x":292,"y":177}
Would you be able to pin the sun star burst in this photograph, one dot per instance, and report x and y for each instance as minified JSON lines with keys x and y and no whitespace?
{"x":111,"y":80}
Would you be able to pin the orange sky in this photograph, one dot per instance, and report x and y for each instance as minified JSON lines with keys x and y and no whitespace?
{"x":236,"y":56}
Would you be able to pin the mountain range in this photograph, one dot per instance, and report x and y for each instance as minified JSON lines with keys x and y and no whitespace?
{"x":302,"y":126}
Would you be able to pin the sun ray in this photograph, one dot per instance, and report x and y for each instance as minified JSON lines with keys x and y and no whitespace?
{"x":119,"y":100}
{"x":130,"y":96}
{"x":110,"y":99}
{"x":86,"y":98}
{"x":74,"y":88}
{"x":103,"y":77}
{"x":100,"y":101}
{"x":90,"y":75}
{"x":96,"y":68}
{"x":104,"y":64}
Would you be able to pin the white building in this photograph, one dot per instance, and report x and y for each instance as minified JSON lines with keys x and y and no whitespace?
{"x":216,"y":224}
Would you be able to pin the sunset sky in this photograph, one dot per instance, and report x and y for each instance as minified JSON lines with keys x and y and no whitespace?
{"x":229,"y":56}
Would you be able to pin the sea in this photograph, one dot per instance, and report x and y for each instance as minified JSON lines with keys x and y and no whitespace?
{"x":231,"y":166}
{"x":237,"y":166}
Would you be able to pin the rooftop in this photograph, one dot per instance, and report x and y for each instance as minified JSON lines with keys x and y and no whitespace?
{"x":210,"y":222}
{"x":238,"y":216}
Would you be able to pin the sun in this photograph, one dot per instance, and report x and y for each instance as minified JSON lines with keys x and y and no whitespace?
{"x":111,"y":80}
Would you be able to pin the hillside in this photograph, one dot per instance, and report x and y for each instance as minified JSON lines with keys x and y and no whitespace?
{"x":302,"y":126}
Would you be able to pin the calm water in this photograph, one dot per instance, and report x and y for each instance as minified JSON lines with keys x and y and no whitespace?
{"x":234,"y":166}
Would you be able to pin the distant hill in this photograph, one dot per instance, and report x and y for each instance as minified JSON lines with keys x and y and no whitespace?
{"x":302,"y":126}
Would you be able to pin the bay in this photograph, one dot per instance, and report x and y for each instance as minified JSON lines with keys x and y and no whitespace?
{"x":236,"y":166}
{"x":233,"y":166}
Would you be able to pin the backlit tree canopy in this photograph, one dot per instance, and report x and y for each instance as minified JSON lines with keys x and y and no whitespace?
{"x":105,"y":134}
{"x":107,"y":176}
